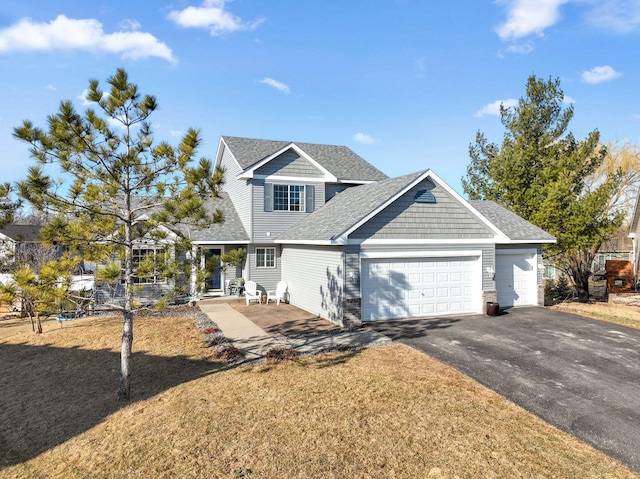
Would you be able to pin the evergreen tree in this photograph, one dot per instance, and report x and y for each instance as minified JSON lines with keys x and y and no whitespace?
{"x":122,"y":183}
{"x":541,"y":172}
{"x":8,"y":205}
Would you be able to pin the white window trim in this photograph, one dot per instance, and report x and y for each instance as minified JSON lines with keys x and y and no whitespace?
{"x":265,"y":248}
{"x":303,"y":197}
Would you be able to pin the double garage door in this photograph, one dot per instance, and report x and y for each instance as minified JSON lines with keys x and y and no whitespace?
{"x":405,"y":287}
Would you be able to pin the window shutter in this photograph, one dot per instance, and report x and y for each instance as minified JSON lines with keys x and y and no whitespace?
{"x":309,"y":191}
{"x":268,"y":197}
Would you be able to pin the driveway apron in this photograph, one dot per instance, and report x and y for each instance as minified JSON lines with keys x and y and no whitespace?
{"x":580,"y":375}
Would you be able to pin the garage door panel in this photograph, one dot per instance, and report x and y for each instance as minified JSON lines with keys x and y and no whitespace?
{"x":516,"y":279}
{"x":429,"y":286}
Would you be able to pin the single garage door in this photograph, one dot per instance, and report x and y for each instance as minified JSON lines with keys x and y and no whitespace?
{"x":516,"y":278}
{"x":406,"y":287}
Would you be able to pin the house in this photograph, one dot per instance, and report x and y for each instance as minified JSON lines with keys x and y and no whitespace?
{"x":17,"y":241}
{"x":354,"y":245}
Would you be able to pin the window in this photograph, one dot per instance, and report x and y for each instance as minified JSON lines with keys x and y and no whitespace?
{"x":147,"y":265}
{"x":549,"y":271}
{"x":265,"y":257}
{"x":288,"y":197}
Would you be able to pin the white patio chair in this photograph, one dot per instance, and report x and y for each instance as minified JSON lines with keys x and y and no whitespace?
{"x":251,"y":292}
{"x":278,"y":294}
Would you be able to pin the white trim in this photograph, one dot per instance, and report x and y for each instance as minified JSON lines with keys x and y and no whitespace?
{"x":265,"y":248}
{"x":517,"y":251}
{"x":249,"y":172}
{"x":275,"y":179}
{"x":220,"y":154}
{"x":440,"y":241}
{"x":308,"y":242}
{"x":216,"y":243}
{"x":420,"y":254}
{"x":499,"y":235}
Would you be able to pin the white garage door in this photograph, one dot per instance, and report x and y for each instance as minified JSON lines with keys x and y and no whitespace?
{"x":516,"y":279}
{"x":400,"y":288}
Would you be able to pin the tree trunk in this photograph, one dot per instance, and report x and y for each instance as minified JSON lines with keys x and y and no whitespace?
{"x":38,"y":325}
{"x":124,"y":383}
{"x":581,"y":281}
{"x":33,"y":324}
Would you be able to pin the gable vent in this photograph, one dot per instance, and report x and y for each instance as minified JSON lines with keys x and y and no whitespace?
{"x":424,"y":196}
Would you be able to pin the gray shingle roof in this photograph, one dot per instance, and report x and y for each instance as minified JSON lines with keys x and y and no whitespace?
{"x":346,"y":209}
{"x":28,"y":233}
{"x":230,"y":230}
{"x":512,"y":225}
{"x":340,"y":161}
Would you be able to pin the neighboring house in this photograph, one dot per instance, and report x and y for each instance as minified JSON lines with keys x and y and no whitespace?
{"x":17,"y":241}
{"x":354,"y":245}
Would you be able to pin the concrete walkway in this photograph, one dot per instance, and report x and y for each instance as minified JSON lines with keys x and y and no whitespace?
{"x":255,"y":342}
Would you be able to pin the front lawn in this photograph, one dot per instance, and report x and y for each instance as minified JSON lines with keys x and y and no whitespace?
{"x":383,"y":412}
{"x":613,"y":312}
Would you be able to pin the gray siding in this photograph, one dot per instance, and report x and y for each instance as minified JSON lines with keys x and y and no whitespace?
{"x":266,"y":278}
{"x":332,"y":189}
{"x":275,"y":223}
{"x":290,"y":163}
{"x":352,"y":271}
{"x":238,"y":190}
{"x":406,"y":219}
{"x":315,"y":276}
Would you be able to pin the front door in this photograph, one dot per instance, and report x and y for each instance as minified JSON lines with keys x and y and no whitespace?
{"x":212,"y":263}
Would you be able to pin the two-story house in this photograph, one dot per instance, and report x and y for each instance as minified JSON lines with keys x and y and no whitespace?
{"x":354,"y":245}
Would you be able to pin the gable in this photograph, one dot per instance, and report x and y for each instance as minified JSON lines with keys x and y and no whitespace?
{"x":425,"y":211}
{"x":289,"y":164}
{"x":338,"y":163}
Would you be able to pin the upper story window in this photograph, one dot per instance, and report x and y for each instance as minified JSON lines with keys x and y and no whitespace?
{"x":288,"y":198}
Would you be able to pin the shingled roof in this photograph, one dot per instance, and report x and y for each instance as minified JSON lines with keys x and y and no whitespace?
{"x":230,"y":230}
{"x":22,"y":233}
{"x":346,"y":209}
{"x":513,"y":226}
{"x":340,"y":161}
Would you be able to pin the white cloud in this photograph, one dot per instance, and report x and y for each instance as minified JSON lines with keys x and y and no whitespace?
{"x":275,"y":84}
{"x":494,"y":108}
{"x":621,"y":16}
{"x":175,"y":133}
{"x":130,"y":25}
{"x":636,"y":116}
{"x":526,"y":17}
{"x":364,"y":138}
{"x":520,"y":49}
{"x":212,"y":15}
{"x":600,"y":74}
{"x":50,"y":88}
{"x":567,"y":100}
{"x":72,"y":34}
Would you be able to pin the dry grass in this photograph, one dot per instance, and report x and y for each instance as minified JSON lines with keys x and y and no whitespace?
{"x":618,"y":313}
{"x":11,"y":325}
{"x":384,"y":412}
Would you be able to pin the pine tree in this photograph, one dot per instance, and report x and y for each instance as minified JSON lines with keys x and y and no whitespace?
{"x":122,"y":183}
{"x":541,"y":172}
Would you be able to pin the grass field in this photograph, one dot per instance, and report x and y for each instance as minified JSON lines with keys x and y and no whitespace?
{"x":622,"y":314}
{"x":385,"y":412}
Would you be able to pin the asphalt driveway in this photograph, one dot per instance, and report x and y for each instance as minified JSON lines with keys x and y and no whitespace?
{"x":580,"y":375}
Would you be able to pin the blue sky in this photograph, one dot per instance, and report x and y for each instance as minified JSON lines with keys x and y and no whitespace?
{"x":406,"y":83}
